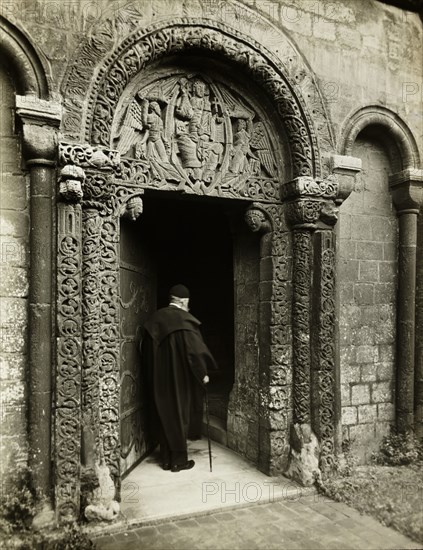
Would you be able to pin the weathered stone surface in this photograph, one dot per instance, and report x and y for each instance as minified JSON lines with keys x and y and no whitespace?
{"x":304,"y":455}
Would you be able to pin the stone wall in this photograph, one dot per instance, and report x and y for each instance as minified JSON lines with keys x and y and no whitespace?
{"x":14,"y":228}
{"x":367,"y":280}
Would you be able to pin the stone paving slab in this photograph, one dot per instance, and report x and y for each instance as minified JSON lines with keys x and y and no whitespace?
{"x":310,"y":522}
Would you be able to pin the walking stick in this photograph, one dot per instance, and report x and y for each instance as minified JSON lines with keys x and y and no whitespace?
{"x":208,"y":428}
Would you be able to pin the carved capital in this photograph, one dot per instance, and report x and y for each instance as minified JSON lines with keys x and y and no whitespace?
{"x":304,"y":213}
{"x":258,"y":219}
{"x":345,"y":168}
{"x":86,"y":156}
{"x":312,"y":188}
{"x":40,"y":121}
{"x":407,"y":190}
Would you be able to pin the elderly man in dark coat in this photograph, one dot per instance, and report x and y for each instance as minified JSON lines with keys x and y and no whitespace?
{"x":176,"y":361}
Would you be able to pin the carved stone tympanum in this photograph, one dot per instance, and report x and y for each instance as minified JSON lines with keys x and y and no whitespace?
{"x":198,"y":133}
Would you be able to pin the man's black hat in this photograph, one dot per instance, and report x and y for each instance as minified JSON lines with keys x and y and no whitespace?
{"x":179,"y":291}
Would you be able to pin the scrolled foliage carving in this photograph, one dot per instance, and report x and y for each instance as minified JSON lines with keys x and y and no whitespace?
{"x":325,"y":353}
{"x":68,"y":374}
{"x":301,"y":325}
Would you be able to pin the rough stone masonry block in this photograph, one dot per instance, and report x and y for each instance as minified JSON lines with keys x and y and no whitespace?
{"x":349,"y":415}
{"x":12,"y":192}
{"x":385,"y":371}
{"x":13,"y":282}
{"x":364,"y":294}
{"x":367,"y":413}
{"x":367,"y":354}
{"x":345,"y":395}
{"x":386,"y":412}
{"x":363,"y":442}
{"x":13,"y":311}
{"x":324,"y":30}
{"x":350,"y":372}
{"x":368,"y":271}
{"x":381,"y":392}
{"x":360,"y":394}
{"x":368,"y":373}
{"x":14,"y":224}
{"x":368,"y":250}
{"x":387,"y":271}
{"x":12,"y":366}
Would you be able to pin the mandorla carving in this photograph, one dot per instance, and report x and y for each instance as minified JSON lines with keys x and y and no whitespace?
{"x":196,"y":133}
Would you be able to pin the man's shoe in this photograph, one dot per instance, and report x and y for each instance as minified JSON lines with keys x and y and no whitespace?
{"x":187,"y":466}
{"x":166,"y":466}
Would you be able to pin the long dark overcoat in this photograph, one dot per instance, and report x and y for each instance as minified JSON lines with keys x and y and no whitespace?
{"x":175,"y":359}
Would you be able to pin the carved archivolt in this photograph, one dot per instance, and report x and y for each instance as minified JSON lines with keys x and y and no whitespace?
{"x":148,"y":45}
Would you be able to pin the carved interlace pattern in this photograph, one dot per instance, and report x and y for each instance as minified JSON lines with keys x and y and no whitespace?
{"x":326,"y":354}
{"x":68,"y":375}
{"x":109,"y":339}
{"x":91,"y":231}
{"x":301,"y":325}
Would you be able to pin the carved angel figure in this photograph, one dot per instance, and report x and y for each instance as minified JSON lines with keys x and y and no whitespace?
{"x":241,"y":151}
{"x":251,"y":149}
{"x":143,"y":130}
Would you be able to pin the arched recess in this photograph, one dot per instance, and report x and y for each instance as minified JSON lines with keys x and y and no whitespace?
{"x":386,"y":133}
{"x":20,"y":56}
{"x":394,"y":134}
{"x":146,"y":46}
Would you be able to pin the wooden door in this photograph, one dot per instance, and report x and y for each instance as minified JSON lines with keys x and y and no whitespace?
{"x":138,"y":301}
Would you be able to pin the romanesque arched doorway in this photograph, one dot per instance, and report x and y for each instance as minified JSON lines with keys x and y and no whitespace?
{"x":213,"y":119}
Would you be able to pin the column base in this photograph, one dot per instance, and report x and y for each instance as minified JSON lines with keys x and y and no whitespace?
{"x":304,"y":455}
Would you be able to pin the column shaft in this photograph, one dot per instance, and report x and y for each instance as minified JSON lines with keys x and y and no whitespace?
{"x":40,"y":324}
{"x":406,"y":320}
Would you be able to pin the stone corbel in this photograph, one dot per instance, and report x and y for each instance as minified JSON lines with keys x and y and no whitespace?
{"x":407,"y":194}
{"x":257,"y":219}
{"x":345,"y":168}
{"x":133,"y":208}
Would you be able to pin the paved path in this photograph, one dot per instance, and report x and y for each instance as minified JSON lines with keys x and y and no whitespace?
{"x":310,"y":522}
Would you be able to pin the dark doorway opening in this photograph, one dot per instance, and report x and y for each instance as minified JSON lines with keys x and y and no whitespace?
{"x":190,"y":242}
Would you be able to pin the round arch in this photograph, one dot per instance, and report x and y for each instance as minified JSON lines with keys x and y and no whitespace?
{"x":397,"y":137}
{"x":30,"y":76}
{"x":149,"y":45}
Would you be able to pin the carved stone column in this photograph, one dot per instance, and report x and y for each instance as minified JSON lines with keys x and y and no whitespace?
{"x":69,"y":344}
{"x":407,"y":193}
{"x":40,"y":120}
{"x":312,"y":213}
